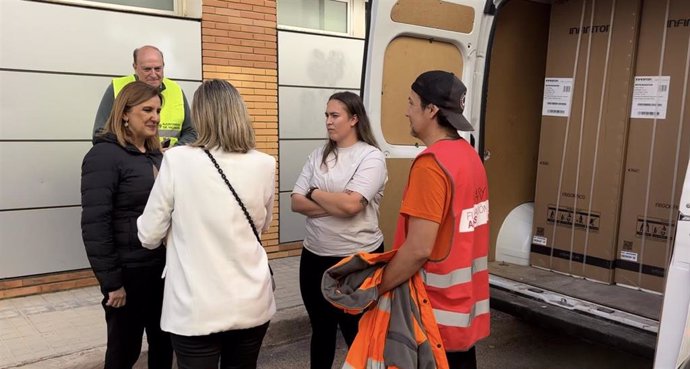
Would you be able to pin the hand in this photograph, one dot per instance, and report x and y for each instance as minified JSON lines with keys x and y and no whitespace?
{"x":164,"y":149}
{"x":117,"y":298}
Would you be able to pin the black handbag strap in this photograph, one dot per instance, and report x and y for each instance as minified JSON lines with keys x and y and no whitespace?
{"x":237,"y":197}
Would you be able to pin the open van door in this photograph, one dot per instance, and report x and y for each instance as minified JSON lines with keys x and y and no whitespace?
{"x":499,"y":49}
{"x":406,"y":38}
{"x":673,"y":345}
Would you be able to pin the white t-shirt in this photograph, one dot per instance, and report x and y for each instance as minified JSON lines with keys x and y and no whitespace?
{"x":360,"y":168}
{"x":217,"y":272}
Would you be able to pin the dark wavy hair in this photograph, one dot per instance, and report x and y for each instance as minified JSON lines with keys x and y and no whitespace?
{"x":354,"y":107}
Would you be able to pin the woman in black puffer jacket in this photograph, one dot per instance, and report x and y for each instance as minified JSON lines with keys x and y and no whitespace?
{"x":117,"y":176}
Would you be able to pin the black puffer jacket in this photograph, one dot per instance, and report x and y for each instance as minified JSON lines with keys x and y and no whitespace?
{"x":115,"y":185}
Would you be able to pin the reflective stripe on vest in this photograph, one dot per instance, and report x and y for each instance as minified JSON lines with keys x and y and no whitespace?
{"x":457,"y":286}
{"x":172,"y":111}
{"x":461,"y":320}
{"x":456,"y":277}
{"x":168,"y":133}
{"x":398,"y":328}
{"x":371,"y":364}
{"x":384,"y":304}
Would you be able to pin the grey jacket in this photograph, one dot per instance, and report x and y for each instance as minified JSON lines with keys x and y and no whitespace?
{"x":352,"y":285}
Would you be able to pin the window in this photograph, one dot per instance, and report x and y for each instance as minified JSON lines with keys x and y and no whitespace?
{"x":321,"y":15}
{"x":167,"y":7}
{"x":151,"y":4}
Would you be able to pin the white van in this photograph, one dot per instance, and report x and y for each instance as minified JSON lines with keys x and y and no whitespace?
{"x":673,"y":346}
{"x":499,"y":49}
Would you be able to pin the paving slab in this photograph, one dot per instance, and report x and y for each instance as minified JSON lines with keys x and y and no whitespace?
{"x":66,"y":329}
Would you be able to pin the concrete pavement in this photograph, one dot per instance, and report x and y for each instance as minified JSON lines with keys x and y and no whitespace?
{"x":67,"y":329}
{"x":513,"y":344}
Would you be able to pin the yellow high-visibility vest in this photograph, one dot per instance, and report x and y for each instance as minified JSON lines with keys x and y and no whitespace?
{"x":172,"y":111}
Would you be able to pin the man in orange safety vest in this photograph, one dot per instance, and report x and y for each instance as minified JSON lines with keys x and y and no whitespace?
{"x":443,"y":226}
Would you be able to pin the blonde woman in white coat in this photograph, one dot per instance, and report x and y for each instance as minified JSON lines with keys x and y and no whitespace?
{"x":218,"y":298}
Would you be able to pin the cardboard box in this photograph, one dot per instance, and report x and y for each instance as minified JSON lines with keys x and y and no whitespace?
{"x":583,"y":136}
{"x":658,"y":149}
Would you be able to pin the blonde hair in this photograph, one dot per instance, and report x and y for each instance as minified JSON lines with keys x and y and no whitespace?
{"x":131,"y":95}
{"x":221,"y":118}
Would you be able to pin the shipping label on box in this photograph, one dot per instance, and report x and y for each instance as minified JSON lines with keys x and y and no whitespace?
{"x":540,"y":240}
{"x":650,"y":97}
{"x":629,"y":256}
{"x":558,"y":96}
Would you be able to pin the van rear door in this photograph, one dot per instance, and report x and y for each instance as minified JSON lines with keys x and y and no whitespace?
{"x":673,"y":345}
{"x":406,"y":38}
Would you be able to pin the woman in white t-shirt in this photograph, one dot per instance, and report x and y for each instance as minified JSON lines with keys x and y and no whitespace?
{"x":339,"y":190}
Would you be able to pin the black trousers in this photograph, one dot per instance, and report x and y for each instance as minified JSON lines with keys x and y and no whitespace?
{"x":324,"y":317}
{"x":142,"y":311}
{"x":462,"y":359}
{"x":236,"y":349}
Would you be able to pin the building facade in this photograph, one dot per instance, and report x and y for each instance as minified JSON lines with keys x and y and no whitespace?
{"x":57,"y":57}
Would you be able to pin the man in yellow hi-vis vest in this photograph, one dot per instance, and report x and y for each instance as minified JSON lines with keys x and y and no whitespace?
{"x":175,"y":127}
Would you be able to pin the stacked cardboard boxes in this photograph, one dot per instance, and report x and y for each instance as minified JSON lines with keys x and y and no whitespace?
{"x":615,"y":140}
{"x":658,"y":145}
{"x":587,"y":94}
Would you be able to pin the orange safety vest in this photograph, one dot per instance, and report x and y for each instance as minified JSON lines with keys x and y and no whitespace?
{"x":458,"y":285}
{"x":398,"y":330}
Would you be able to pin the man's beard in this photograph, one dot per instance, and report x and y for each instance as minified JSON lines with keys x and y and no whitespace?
{"x":413,"y":133}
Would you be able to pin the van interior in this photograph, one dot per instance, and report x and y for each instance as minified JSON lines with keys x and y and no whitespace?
{"x":514,"y":91}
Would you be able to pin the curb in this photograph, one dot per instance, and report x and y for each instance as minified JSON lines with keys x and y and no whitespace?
{"x":288,"y":325}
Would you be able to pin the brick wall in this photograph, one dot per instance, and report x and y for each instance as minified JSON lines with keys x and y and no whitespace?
{"x":240,"y":44}
{"x":23,"y":286}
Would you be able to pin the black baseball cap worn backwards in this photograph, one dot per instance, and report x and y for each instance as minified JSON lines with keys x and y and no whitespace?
{"x":447,"y":92}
